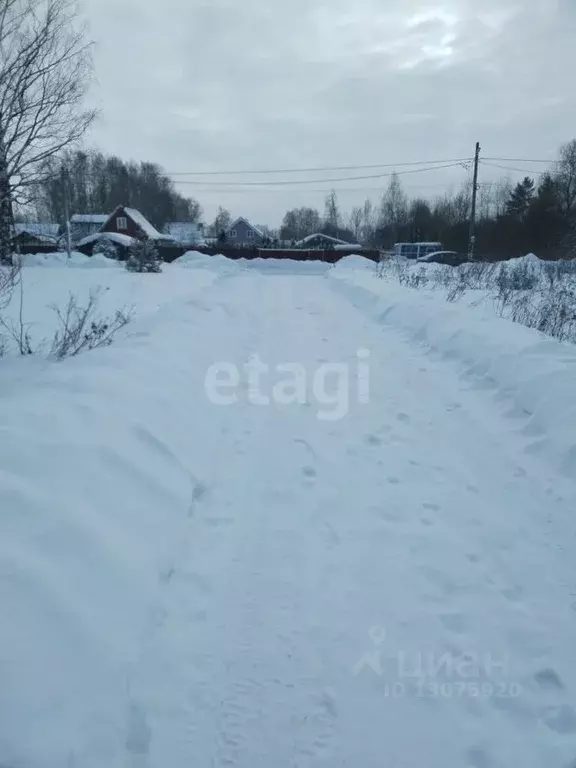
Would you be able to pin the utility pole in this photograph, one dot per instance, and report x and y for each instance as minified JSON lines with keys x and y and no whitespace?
{"x":472,"y":236}
{"x":67,"y":211}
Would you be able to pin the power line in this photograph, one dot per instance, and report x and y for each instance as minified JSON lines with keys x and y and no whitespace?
{"x":323,"y":168}
{"x":518,"y":160}
{"x":316,"y":181}
{"x":378,"y":190}
{"x":518,"y":170}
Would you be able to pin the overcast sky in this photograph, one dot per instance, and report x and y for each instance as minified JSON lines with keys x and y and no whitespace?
{"x":255,"y":84}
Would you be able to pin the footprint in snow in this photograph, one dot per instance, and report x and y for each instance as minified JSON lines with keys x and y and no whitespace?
{"x":139,"y":734}
{"x":477,"y":757}
{"x":455,"y":622}
{"x":217,"y":522}
{"x":549,"y":680}
{"x":560,"y":719}
{"x":513,"y":594}
{"x":199,"y":491}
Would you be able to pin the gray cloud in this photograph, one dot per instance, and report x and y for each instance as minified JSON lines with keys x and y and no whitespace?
{"x":224,"y":85}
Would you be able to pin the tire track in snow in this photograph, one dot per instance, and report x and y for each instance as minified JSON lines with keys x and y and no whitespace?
{"x":139,"y":731}
{"x":265,"y":677}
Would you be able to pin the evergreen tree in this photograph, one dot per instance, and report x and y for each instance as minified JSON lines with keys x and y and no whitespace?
{"x":106,"y":248}
{"x":520,"y":198}
{"x":144,"y":258}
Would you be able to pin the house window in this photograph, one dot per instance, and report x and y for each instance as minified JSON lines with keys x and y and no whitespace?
{"x":232,"y":233}
{"x":121,"y":222}
{"x":249,"y":234}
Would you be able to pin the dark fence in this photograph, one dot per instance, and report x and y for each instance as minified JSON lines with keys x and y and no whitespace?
{"x":25,"y":249}
{"x":170,"y":253}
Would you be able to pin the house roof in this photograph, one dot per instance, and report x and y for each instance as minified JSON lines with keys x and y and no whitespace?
{"x":241,"y":218}
{"x":89,"y":218}
{"x":141,"y":221}
{"x":334,"y":240}
{"x":184,"y":231}
{"x":37,"y":228}
{"x":115,"y":237}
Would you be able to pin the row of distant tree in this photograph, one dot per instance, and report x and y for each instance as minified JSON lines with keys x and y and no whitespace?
{"x":530,"y":216}
{"x":512,"y":219}
{"x":90,"y":182}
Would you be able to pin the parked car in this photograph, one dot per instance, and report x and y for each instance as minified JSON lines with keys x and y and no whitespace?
{"x":415,"y":250}
{"x":452,"y":258}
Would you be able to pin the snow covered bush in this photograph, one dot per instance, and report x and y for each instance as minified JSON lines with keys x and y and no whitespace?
{"x":80,"y":328}
{"x":535,"y":293}
{"x":105,"y":247}
{"x":144,"y":258}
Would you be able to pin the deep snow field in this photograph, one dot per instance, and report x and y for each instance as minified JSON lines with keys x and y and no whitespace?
{"x":294,"y":516}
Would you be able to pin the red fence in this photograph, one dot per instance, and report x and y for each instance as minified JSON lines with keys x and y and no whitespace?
{"x":171,"y":253}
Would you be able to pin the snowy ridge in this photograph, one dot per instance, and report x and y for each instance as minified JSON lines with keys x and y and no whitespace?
{"x":59,"y":259}
{"x":534,"y":372}
{"x":190,"y":583}
{"x":96,"y":498}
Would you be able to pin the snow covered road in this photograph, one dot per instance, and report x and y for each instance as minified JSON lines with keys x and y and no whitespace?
{"x":357,"y":581}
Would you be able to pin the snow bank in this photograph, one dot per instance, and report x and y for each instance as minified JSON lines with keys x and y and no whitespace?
{"x":532,"y":257}
{"x":117,"y":289}
{"x":533,"y":372}
{"x":218,"y":264}
{"x":60,"y":259}
{"x":196,"y":259}
{"x":96,"y":492}
{"x":354,"y":262}
{"x":286,"y":266}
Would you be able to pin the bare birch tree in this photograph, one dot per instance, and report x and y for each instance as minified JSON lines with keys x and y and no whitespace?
{"x":356,"y":219}
{"x":45,"y":64}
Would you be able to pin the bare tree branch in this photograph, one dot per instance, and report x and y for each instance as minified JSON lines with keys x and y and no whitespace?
{"x":45,"y":65}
